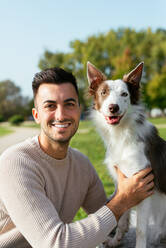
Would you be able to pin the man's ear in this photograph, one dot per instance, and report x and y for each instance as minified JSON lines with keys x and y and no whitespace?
{"x":36,"y":115}
{"x":95,"y":77}
{"x":135,"y":75}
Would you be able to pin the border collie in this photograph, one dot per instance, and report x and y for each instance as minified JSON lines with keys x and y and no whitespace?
{"x":132,"y":143}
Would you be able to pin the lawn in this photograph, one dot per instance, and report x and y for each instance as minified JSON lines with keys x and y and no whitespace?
{"x":5,"y":130}
{"x":88,"y":141}
{"x":156,"y":121}
{"x":160,"y":121}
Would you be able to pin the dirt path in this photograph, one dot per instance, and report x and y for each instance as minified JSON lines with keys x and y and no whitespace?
{"x":160,"y":125}
{"x":19,"y":134}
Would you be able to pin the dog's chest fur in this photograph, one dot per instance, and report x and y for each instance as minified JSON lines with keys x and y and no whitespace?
{"x":125,"y":143}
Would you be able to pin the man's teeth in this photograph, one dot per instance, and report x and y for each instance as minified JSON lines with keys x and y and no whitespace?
{"x":61,"y":125}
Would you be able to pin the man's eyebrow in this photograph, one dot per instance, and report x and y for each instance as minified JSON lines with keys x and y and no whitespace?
{"x":49,"y":101}
{"x":66,"y":100}
{"x":70,"y":99}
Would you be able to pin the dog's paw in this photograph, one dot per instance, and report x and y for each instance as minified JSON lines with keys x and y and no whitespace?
{"x":112,"y":242}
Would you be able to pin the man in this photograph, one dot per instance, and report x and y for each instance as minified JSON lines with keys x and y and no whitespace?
{"x":43,"y":182}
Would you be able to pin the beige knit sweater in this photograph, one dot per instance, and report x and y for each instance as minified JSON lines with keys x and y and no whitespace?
{"x":39,"y":197}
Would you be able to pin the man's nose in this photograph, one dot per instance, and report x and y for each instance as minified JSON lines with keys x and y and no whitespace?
{"x":60,"y":113}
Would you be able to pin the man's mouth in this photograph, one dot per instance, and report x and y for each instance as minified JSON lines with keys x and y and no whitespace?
{"x":113,"y":120}
{"x":61,"y":125}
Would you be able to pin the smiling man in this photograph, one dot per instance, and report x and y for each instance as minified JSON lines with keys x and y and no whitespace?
{"x":58,"y":112}
{"x":44,"y":182}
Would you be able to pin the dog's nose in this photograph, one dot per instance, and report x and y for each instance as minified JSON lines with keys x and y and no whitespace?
{"x":113,"y":108}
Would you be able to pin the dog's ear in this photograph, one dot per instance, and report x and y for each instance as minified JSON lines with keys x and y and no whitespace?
{"x":135,"y":75}
{"x":95,"y":78}
{"x":133,"y":82}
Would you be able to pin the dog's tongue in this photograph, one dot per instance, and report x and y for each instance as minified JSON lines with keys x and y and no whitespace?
{"x":112,"y":119}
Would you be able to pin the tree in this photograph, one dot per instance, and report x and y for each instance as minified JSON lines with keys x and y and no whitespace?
{"x":115,"y":53}
{"x":156,"y":90}
{"x":11,"y":101}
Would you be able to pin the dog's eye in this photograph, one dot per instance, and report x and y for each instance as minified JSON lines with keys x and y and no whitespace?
{"x":124,"y":94}
{"x":103,"y":92}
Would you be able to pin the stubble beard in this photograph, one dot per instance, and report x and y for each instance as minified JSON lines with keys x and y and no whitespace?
{"x":60,"y":141}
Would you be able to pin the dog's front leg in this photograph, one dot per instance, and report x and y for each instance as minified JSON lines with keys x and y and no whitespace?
{"x":142,"y":223}
{"x":122,"y":227}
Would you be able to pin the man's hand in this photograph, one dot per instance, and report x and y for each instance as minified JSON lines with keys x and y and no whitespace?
{"x":131,"y":191}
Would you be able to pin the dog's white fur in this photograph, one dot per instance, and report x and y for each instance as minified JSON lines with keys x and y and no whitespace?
{"x":125,"y":147}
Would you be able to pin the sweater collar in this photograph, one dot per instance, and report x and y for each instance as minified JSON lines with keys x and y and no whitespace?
{"x":45,"y":155}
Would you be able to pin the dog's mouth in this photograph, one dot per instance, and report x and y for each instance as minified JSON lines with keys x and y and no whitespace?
{"x":113,"y":120}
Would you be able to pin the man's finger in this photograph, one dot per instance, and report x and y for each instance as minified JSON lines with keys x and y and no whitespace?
{"x":149,"y":178}
{"x":144,"y":173}
{"x":119,"y":173}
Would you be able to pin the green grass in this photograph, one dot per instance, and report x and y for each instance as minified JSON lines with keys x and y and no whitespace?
{"x":88,"y":142}
{"x":156,"y":121}
{"x":160,"y":121}
{"x":4,"y":131}
{"x":162,"y":132}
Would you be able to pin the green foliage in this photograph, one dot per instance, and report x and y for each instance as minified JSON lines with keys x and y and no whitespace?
{"x":1,"y":118}
{"x":11,"y":100}
{"x":116,"y":53}
{"x":156,"y":90}
{"x":16,"y":119}
{"x":28,"y":108}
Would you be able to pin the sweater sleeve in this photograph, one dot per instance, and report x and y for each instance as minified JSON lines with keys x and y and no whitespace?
{"x":22,"y":191}
{"x":96,"y":196}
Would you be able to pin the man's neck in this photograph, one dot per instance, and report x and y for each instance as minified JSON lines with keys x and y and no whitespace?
{"x":54,"y":149}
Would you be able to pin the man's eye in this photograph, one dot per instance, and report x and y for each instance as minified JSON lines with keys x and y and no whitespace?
{"x":70,"y":104}
{"x":50,"y":106}
{"x":124,"y":94}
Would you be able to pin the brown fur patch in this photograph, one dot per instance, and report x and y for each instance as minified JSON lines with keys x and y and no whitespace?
{"x":100,"y":95}
{"x":95,"y":78}
{"x":93,"y":87}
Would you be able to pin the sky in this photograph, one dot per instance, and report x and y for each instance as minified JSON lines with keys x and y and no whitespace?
{"x":29,"y":27}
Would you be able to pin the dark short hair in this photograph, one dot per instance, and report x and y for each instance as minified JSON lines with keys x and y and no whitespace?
{"x":54,"y":75}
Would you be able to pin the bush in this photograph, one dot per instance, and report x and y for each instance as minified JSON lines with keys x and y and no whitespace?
{"x":2,"y":118}
{"x":16,"y":119}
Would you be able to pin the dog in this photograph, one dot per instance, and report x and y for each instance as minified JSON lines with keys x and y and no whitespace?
{"x":132,"y":143}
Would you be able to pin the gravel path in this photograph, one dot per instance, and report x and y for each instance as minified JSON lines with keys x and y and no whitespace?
{"x":19,"y":134}
{"x":161,"y":125}
{"x":129,"y":241}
